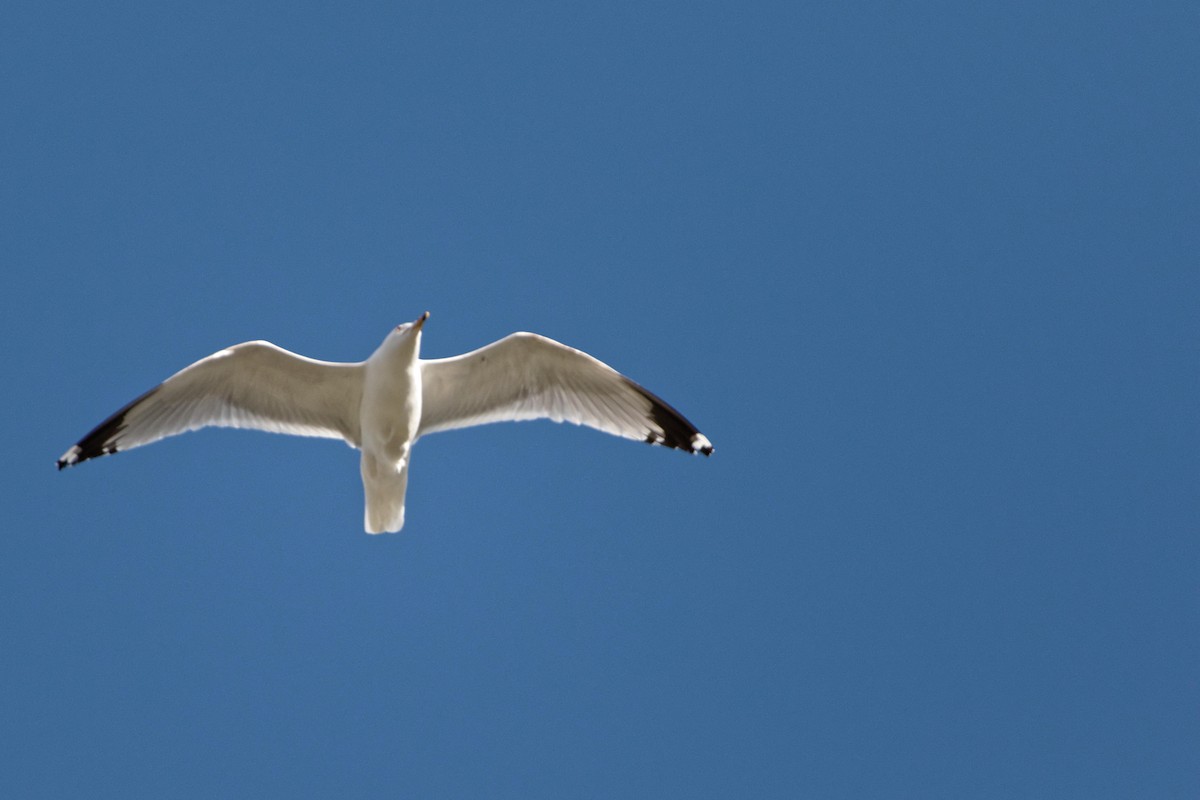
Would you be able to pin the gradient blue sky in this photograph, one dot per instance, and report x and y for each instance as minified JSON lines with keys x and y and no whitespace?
{"x":925,"y":273}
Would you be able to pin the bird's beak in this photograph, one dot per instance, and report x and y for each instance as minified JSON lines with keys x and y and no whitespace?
{"x":420,"y":321}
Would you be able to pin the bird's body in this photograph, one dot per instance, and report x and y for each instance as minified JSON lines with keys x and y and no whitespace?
{"x":391,"y":418}
{"x":384,"y":404}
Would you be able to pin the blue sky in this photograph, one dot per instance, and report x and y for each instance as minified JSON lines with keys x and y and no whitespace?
{"x":925,"y":274}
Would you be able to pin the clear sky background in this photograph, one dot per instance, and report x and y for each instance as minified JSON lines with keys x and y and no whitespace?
{"x":925,"y":274}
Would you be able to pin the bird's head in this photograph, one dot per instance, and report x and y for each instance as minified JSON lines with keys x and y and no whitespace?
{"x":411,"y":328}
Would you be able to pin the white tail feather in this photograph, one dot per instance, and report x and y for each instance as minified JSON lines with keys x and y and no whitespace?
{"x":384,"y":485}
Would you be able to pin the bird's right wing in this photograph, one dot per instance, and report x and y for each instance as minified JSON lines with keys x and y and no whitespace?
{"x":252,"y":385}
{"x":526,"y":376}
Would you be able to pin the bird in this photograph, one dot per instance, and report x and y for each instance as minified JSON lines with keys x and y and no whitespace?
{"x":383,"y":405}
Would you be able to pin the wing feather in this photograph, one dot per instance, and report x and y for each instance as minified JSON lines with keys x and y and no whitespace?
{"x":252,"y":385}
{"x":525,"y":376}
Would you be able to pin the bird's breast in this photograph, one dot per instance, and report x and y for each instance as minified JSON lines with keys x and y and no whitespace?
{"x":391,"y":411}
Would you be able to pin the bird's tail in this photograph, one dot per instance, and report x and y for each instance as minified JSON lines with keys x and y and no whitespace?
{"x":384,"y":485}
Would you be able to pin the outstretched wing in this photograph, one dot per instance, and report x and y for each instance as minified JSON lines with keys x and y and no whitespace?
{"x":251,"y":385}
{"x":526,"y":376}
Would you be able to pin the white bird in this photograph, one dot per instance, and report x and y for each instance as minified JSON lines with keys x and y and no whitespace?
{"x":384,"y":404}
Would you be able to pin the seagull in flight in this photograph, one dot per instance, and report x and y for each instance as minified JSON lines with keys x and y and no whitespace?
{"x":383,"y":405}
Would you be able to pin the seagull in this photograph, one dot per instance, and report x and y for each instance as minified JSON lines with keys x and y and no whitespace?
{"x":383,"y":405}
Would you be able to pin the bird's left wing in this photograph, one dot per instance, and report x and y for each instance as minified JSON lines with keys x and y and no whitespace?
{"x":525,"y":376}
{"x":251,"y":385}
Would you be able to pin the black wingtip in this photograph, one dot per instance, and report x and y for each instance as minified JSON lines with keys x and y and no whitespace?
{"x":677,"y":432}
{"x":101,"y":440}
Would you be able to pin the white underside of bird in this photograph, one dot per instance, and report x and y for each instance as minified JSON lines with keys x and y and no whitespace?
{"x":383,"y":405}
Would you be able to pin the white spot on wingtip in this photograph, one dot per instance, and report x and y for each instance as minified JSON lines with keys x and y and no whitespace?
{"x":70,"y":457}
{"x":701,"y":444}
